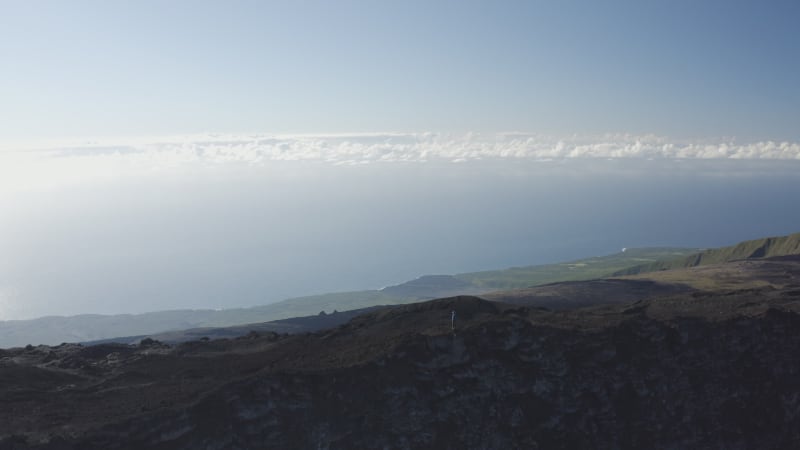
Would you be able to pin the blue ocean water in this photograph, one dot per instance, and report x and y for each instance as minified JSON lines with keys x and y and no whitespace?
{"x":248,"y":236}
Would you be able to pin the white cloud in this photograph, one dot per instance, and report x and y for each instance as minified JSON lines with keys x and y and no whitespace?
{"x":55,"y":163}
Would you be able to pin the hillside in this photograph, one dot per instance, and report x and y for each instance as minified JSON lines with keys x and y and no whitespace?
{"x":304,"y":324}
{"x":757,"y":248}
{"x":577,"y":294}
{"x":716,"y":369}
{"x":94,"y":327}
{"x":84,"y":328}
{"x":581,"y":269}
{"x":778,"y":272}
{"x":432,"y":286}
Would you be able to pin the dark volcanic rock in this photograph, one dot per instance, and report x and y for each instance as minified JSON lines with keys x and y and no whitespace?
{"x":682,"y":372}
{"x":579,"y":294}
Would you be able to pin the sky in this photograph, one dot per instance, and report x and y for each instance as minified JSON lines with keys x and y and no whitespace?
{"x":159,"y":155}
{"x":688,"y":69}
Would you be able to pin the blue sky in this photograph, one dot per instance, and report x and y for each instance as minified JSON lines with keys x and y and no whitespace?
{"x":685,"y":69}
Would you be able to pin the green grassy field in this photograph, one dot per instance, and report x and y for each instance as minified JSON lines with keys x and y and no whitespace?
{"x":757,"y":248}
{"x":582,"y":269}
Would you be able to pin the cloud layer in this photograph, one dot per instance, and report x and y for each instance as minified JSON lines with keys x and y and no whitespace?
{"x":392,"y":147}
{"x":55,"y":163}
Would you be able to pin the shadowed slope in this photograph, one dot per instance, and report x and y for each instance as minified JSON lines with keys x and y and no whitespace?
{"x":686,"y":371}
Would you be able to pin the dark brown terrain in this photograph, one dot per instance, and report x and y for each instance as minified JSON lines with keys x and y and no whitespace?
{"x":656,"y":363}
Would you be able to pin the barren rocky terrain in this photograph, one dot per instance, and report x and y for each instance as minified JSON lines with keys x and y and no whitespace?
{"x":686,"y":368}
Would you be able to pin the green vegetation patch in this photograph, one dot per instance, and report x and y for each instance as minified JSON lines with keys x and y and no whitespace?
{"x":757,"y":248}
{"x":582,"y":269}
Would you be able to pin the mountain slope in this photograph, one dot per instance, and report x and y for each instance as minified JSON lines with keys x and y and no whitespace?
{"x":432,"y":286}
{"x":757,"y":248}
{"x":578,"y":294}
{"x":779,"y":272}
{"x":582,"y":269}
{"x":304,"y":324}
{"x":92,"y":327}
{"x":679,"y":372}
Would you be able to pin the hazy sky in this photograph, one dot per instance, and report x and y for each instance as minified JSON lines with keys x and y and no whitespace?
{"x":682,"y":68}
{"x":179,"y":154}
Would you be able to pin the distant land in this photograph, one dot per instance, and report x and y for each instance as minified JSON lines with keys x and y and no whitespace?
{"x":495,"y":284}
{"x":94,"y":327}
{"x":294,"y":325}
{"x":756,"y":248}
{"x":694,"y":357}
